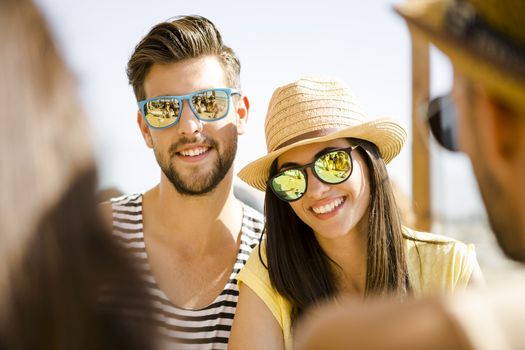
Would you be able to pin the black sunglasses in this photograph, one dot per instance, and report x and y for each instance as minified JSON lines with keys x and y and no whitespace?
{"x":442,"y":120}
{"x":331,"y":167}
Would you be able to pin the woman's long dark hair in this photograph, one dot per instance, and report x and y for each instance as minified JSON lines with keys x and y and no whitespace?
{"x":301,"y":271}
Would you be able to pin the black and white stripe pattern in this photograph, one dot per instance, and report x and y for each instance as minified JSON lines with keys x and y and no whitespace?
{"x":206,"y":328}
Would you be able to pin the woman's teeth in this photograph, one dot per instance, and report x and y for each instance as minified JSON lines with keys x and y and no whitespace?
{"x":328,"y":207}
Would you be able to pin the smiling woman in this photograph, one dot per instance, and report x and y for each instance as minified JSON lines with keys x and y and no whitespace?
{"x":332,"y":223}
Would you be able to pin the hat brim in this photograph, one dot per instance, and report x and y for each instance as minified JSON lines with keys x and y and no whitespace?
{"x":387,"y":134}
{"x":427,"y":18}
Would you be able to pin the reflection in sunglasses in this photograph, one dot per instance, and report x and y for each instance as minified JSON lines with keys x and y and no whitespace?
{"x":290,"y":185}
{"x":332,"y":168}
{"x":161,"y":113}
{"x":207,"y":105}
{"x":211,"y":104}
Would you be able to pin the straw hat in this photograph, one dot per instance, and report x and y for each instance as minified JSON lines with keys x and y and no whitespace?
{"x":485,"y":39}
{"x":318,"y":109}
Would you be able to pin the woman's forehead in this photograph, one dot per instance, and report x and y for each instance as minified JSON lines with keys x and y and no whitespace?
{"x":305,"y":154}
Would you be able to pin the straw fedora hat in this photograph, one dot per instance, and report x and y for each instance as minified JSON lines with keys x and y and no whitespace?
{"x":318,"y":109}
{"x":485,"y":39}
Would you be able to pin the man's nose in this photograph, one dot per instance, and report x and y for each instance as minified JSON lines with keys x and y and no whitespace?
{"x":188,"y":123}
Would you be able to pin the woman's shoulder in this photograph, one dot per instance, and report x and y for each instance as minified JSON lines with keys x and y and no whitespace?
{"x":426,"y":245}
{"x":434,"y":244}
{"x":423,"y":238}
{"x":256,"y":266}
{"x":255,"y":275}
{"x":441,"y":262}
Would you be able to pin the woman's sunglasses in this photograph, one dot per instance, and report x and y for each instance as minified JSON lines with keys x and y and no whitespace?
{"x":442,"y":120}
{"x":332,"y":167}
{"x":207,"y":105}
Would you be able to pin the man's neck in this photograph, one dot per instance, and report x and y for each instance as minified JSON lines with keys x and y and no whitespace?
{"x":191,"y":241}
{"x":193,"y":221}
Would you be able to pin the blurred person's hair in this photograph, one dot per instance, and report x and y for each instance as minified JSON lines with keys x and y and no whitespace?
{"x":185,"y":37}
{"x":106,"y":194}
{"x":61,"y":273}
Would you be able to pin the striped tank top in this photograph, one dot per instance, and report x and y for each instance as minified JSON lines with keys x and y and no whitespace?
{"x":205,"y":328}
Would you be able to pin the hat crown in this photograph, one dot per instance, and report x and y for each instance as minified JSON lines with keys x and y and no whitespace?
{"x":507,"y":17}
{"x":316,"y":110}
{"x":309,"y":107}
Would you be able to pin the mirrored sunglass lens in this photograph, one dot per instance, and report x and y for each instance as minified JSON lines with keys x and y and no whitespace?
{"x":210,"y":105}
{"x":162,"y":112}
{"x":289,"y":185}
{"x":333,"y":167}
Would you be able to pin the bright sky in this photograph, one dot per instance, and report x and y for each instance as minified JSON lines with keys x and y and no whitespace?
{"x":364,"y":43}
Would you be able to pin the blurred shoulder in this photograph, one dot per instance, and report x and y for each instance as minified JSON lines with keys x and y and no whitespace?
{"x":106,"y":212}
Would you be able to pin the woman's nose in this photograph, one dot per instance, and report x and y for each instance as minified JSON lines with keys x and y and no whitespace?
{"x":316,"y":188}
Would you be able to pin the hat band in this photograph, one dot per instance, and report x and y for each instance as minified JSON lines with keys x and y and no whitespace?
{"x":307,"y":135}
{"x":463,"y":21}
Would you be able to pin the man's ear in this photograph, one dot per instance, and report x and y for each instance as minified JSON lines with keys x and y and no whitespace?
{"x":506,"y":125}
{"x":144,"y":130}
{"x":502,"y":135}
{"x":242,"y":109}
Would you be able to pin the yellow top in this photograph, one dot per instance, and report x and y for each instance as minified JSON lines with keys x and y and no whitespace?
{"x":434,"y":268}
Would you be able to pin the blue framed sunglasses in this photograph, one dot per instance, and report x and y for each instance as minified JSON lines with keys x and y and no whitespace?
{"x":207,"y":105}
{"x":331,"y":167}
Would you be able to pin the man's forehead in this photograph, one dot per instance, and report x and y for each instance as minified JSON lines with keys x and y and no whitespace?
{"x":180,"y":78}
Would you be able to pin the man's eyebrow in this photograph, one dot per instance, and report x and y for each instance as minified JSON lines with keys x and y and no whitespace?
{"x":321,"y":152}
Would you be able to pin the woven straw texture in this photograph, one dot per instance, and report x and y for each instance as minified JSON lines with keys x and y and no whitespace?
{"x":318,"y":109}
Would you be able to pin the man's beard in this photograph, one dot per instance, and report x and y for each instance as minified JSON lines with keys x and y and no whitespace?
{"x":201,"y":185}
{"x":504,"y":216}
